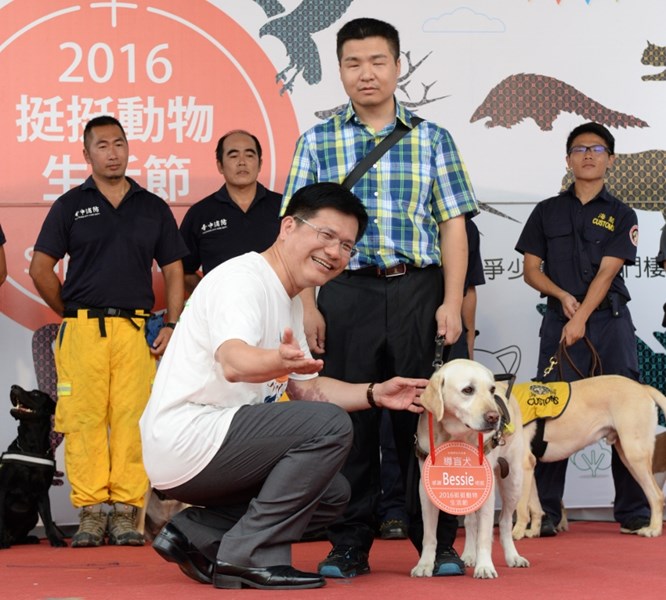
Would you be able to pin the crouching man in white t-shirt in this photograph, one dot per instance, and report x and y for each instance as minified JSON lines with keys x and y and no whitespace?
{"x":261,"y":473}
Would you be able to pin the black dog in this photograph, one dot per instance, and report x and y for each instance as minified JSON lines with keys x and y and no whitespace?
{"x":26,"y":472}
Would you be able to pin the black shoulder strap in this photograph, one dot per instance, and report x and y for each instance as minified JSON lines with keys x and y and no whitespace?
{"x":378,"y":151}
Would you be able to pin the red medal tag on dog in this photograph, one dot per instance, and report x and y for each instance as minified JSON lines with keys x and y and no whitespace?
{"x":457,"y":484}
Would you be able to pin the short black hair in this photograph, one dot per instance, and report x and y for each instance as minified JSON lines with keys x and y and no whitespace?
{"x":595,"y":128}
{"x":365,"y":27}
{"x":310,"y":199}
{"x":100,"y":121}
{"x":219,"y":149}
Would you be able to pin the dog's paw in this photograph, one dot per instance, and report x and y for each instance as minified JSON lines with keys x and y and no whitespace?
{"x":517,"y":561}
{"x":518,"y":532}
{"x":423,"y":569}
{"x":649,"y":532}
{"x":532,"y":533}
{"x":485,"y":572}
{"x":468,"y":558}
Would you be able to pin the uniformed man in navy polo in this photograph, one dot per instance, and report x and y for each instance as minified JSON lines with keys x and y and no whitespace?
{"x":242,"y":216}
{"x":575,"y":246}
{"x":112,"y":229}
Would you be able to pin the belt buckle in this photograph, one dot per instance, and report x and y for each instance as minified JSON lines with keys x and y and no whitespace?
{"x":396,"y":271}
{"x":112,"y":312}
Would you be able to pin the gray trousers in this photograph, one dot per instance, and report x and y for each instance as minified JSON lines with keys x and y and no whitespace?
{"x":275,"y":478}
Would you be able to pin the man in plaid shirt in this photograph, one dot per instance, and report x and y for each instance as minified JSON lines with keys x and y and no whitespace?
{"x":380,"y":317}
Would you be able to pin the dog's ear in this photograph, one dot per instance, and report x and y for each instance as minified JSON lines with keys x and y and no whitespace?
{"x":432,"y":398}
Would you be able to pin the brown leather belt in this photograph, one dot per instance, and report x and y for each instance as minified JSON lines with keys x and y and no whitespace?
{"x":396,"y":271}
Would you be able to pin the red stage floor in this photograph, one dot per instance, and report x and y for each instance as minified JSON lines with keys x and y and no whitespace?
{"x":591,"y":561}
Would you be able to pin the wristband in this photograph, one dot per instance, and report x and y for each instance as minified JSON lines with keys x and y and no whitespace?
{"x":170,"y":325}
{"x":370,"y":396}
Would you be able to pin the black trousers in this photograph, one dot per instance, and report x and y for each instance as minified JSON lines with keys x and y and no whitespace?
{"x":377,"y":328}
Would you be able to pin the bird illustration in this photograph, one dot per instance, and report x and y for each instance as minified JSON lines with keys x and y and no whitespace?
{"x":295,"y":31}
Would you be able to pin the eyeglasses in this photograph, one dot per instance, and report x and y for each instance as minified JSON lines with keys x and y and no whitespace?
{"x":330,"y":239}
{"x":596,"y":149}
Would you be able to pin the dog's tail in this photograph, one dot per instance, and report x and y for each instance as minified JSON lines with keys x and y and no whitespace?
{"x":658,"y":398}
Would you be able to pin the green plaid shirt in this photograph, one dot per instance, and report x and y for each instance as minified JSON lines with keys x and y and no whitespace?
{"x":420,"y":182}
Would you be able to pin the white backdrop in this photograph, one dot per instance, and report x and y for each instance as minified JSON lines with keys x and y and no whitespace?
{"x":466,"y":50}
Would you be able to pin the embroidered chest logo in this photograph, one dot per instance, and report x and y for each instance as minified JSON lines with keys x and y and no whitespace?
{"x":539,"y":400}
{"x":216,"y":225}
{"x":603,"y":221}
{"x":84,"y":213}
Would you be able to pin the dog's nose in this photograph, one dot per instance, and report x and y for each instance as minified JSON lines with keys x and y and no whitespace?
{"x":492,"y":417}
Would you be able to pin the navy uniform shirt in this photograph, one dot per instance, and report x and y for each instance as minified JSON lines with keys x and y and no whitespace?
{"x":2,"y":236}
{"x":572,"y":238}
{"x":475,"y":275}
{"x":111,"y":250}
{"x":661,"y":256}
{"x":216,"y":229}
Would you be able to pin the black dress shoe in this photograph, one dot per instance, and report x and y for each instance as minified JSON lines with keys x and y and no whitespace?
{"x":172,"y":545}
{"x":281,"y":577}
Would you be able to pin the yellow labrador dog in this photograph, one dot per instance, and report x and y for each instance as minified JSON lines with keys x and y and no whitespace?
{"x":461,"y":398}
{"x":659,"y":459}
{"x":611,"y":406}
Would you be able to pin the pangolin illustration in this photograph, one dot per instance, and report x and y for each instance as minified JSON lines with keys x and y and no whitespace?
{"x":542,"y":99}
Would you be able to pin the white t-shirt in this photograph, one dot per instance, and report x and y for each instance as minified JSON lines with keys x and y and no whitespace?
{"x":191,"y":405}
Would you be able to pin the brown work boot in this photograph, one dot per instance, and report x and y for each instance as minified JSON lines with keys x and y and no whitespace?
{"x":92,"y":527}
{"x":122,"y":526}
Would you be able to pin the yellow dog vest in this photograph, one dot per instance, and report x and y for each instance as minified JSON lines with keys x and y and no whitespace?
{"x":542,"y":400}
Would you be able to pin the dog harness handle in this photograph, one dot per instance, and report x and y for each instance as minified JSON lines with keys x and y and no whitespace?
{"x":26,"y":459}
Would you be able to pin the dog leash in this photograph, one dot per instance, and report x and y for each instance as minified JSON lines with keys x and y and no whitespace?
{"x":562,"y":352}
{"x":442,"y":353}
